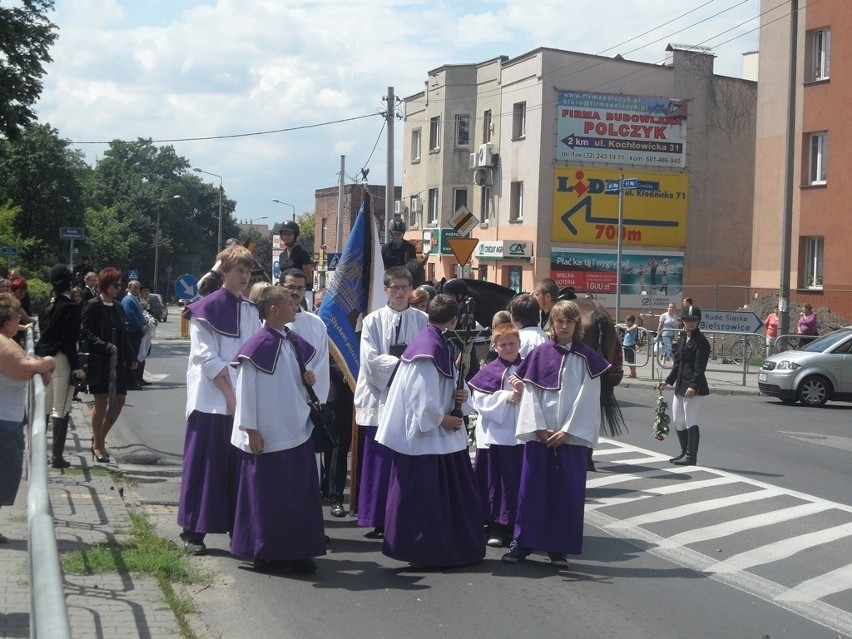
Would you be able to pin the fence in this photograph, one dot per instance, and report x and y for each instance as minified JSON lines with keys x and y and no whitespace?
{"x":48,"y":611}
{"x":730,"y":352}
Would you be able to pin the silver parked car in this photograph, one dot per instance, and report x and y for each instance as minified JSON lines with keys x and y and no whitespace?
{"x":819,"y":371}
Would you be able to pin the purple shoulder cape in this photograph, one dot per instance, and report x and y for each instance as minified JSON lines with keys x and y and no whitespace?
{"x":490,"y":377}
{"x":220,"y":311}
{"x":263,"y":348}
{"x":543,"y":366}
{"x":430,"y":344}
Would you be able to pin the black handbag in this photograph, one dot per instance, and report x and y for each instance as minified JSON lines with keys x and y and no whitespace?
{"x":324,"y":433}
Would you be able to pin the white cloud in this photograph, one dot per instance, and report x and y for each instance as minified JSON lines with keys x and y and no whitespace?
{"x":182,"y":68}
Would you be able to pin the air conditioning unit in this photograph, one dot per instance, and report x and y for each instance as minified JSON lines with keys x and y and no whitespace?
{"x":486,"y":156}
{"x":482,"y":177}
{"x":474,"y":158}
{"x":399,"y":207}
{"x":416,"y":205}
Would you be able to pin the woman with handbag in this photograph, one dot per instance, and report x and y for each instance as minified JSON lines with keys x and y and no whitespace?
{"x":60,"y":322}
{"x":110,"y":357}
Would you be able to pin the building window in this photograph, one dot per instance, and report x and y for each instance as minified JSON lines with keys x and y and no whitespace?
{"x":814,"y":251}
{"x":818,"y":158}
{"x":416,"y":138}
{"x":324,"y":232}
{"x":519,"y":120}
{"x":463,"y":130}
{"x":486,"y":127}
{"x":459,"y":198}
{"x":819,"y":52}
{"x":514,"y":278}
{"x":435,"y":133}
{"x":413,"y":212}
{"x":433,"y":207}
{"x":516,"y":202}
{"x":485,"y":203}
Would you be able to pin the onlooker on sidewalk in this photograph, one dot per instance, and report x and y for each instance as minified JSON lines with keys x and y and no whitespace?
{"x":808,"y":323}
{"x":103,"y":331}
{"x":628,"y":342}
{"x":771,"y":324}
{"x":16,"y":368}
{"x":60,"y":333}
{"x":136,"y":325}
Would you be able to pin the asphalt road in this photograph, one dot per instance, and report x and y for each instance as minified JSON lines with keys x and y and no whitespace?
{"x":756,"y":542}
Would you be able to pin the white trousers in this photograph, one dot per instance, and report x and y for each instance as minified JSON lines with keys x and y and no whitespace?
{"x":685,"y":411}
{"x":59,"y":392}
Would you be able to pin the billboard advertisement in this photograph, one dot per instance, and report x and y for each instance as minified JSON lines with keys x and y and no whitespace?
{"x":585,"y":207}
{"x":625,"y":130}
{"x":648,"y":279}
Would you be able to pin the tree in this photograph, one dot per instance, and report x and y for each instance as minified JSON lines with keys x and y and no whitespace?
{"x":8,"y":236}
{"x":40,"y":173}
{"x":26,"y":36}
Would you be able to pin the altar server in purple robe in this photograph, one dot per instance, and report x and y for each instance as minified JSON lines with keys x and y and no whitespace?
{"x":384,"y":336}
{"x":496,"y":395}
{"x":278,"y":523}
{"x":433,"y":515}
{"x":559,"y":420}
{"x":219,"y":324}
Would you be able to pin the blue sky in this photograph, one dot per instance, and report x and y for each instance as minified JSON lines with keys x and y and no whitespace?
{"x":170,"y":69}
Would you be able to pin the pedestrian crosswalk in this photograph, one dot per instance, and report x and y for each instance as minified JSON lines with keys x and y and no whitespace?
{"x":783,"y":546}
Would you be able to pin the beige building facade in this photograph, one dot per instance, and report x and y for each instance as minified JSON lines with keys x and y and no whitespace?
{"x":535,"y":147}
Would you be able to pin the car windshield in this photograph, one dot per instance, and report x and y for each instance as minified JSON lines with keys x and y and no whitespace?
{"x":825,"y":342}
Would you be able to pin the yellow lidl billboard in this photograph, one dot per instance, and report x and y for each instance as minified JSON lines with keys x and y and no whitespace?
{"x":585,"y":207}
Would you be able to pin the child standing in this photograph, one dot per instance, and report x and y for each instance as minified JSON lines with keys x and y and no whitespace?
{"x":628,"y":342}
{"x":496,"y":395}
{"x":559,"y":420}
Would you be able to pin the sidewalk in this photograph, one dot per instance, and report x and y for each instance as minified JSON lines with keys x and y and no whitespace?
{"x":88,"y":509}
{"x":723,"y":379}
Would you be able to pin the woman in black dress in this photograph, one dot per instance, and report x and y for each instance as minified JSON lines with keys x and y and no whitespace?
{"x":104,"y":334}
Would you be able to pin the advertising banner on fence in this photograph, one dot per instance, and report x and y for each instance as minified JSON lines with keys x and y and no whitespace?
{"x":585,"y":211}
{"x":648,"y":279}
{"x":626,"y":130}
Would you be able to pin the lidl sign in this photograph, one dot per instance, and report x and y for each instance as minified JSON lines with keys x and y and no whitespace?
{"x":586,"y":211}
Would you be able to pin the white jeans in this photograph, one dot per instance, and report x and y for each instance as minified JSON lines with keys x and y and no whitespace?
{"x":685,"y":411}
{"x":58,"y":393}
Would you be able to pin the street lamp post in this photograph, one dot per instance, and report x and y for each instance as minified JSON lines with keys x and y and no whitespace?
{"x":219,"y":242}
{"x":285,"y":204}
{"x":157,"y":248}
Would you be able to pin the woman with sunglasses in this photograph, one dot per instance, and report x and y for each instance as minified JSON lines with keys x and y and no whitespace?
{"x":104,"y":333}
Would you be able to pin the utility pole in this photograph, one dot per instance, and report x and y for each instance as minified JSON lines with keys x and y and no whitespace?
{"x":341,"y":200}
{"x":787,"y":217}
{"x":390,"y":191}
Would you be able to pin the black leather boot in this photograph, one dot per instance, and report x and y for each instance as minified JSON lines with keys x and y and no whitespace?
{"x":60,"y":433}
{"x":682,"y":437}
{"x":691,"y":457}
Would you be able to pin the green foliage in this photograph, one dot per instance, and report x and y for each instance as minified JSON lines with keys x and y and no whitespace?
{"x":306,"y":231}
{"x":110,"y":241}
{"x":39,"y":292}
{"x":9,"y":237}
{"x":26,"y":36}
{"x":39,"y":173}
{"x":144,"y":553}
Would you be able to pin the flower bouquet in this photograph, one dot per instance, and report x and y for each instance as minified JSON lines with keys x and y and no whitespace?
{"x":661,"y":418}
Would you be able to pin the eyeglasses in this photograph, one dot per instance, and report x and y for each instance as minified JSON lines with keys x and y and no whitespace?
{"x":398,"y":288}
{"x":117,"y":285}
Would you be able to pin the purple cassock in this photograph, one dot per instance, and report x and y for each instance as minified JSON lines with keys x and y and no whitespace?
{"x":278,"y":507}
{"x":433,"y":516}
{"x":498,"y":467}
{"x":209,"y":476}
{"x":552,"y":494}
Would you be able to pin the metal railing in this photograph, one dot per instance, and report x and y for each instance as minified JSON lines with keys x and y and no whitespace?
{"x":48,"y":610}
{"x":736,"y":352}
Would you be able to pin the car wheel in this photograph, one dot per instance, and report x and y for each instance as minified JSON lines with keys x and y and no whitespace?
{"x":814,"y":391}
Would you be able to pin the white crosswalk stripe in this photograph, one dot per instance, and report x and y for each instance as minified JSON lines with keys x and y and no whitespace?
{"x":805,"y":524}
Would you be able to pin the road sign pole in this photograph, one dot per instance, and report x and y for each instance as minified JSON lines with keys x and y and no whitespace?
{"x":618,"y":248}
